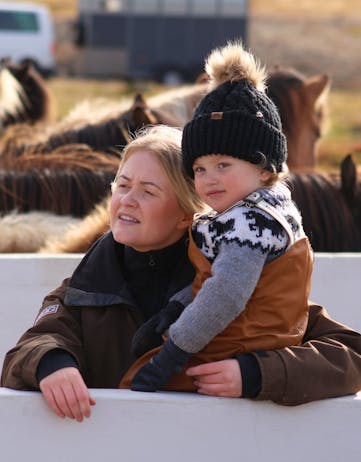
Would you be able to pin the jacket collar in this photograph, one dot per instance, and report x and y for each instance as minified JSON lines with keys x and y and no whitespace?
{"x":99,"y":278}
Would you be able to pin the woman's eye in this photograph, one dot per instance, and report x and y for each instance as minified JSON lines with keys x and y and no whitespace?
{"x":149,"y":193}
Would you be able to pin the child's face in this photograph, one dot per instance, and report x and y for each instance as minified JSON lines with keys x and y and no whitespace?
{"x":222,"y":180}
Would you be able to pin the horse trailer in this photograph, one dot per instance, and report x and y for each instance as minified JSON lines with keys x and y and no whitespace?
{"x":166,"y":40}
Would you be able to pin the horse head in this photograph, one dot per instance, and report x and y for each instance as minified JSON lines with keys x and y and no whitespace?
{"x":138,"y":116}
{"x":36,"y":96}
{"x":302,"y":106}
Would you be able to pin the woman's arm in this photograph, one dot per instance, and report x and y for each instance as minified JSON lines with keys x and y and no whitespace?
{"x":326,"y":365}
{"x":55,"y":327}
{"x":48,"y":356}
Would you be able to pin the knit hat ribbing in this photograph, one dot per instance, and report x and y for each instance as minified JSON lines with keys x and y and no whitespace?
{"x":237,"y":118}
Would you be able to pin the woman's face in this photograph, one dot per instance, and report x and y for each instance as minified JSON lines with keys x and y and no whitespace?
{"x":144,"y":210}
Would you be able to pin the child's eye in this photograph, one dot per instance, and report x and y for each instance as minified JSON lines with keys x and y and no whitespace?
{"x":198,"y":169}
{"x":223,"y":165}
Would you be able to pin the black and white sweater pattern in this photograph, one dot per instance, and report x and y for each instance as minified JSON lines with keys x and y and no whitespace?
{"x":238,"y":242}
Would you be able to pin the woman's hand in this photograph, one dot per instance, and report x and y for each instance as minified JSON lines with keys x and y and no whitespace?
{"x":220,"y":378}
{"x":66,"y":394}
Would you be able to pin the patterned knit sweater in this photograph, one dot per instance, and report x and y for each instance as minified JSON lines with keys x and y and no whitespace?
{"x":238,"y":242}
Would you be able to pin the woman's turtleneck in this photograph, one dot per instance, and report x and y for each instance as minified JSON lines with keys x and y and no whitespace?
{"x":148,"y":274}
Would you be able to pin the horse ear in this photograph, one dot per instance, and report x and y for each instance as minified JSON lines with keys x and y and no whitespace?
{"x":140,"y":113}
{"x":318,"y":86}
{"x":348,"y":179}
{"x":139,"y":101}
{"x":5,"y":61}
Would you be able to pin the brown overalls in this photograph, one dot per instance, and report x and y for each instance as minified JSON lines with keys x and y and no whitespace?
{"x":275,"y":316}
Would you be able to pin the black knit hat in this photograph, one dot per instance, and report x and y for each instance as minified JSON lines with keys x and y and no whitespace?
{"x":236,"y":119}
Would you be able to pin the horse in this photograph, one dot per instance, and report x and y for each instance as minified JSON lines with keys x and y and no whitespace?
{"x":68,"y":181}
{"x":25,"y":96}
{"x":330,"y":207}
{"x":302,"y":104}
{"x":28,"y":232}
{"x":113,"y":129}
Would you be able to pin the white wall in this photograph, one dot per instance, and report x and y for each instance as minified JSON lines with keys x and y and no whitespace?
{"x":176,"y":427}
{"x":26,"y":278}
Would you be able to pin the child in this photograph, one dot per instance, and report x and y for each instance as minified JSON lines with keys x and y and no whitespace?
{"x":253,"y":261}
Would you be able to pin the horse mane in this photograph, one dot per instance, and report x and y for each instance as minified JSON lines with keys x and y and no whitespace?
{"x":68,"y":181}
{"x":177,"y":105}
{"x":81,"y":236}
{"x":328,"y":218}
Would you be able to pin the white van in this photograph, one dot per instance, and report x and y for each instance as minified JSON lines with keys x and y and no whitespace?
{"x":27,"y":34}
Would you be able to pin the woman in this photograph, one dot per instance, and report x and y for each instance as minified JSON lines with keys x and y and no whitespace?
{"x":82,"y":335}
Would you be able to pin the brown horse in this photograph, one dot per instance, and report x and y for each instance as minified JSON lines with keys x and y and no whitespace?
{"x":107,"y":136}
{"x":302,"y":106}
{"x":174,"y":107}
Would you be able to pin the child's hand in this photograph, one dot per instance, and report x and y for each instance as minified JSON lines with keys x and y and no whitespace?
{"x":220,"y":378}
{"x":155,"y":374}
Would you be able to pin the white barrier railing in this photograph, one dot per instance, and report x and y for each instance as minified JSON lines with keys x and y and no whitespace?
{"x":135,"y":427}
{"x":26,"y":278}
{"x":176,"y":427}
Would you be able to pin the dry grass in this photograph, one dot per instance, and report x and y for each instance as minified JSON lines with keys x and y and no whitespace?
{"x":309,"y":8}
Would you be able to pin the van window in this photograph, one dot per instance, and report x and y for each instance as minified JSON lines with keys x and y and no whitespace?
{"x":20,"y":21}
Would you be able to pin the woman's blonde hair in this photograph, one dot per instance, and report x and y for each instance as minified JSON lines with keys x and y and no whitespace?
{"x":165,"y":143}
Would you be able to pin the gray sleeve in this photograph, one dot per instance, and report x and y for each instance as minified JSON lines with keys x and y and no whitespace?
{"x":235,"y":273}
{"x":184,"y":296}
